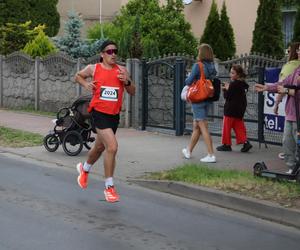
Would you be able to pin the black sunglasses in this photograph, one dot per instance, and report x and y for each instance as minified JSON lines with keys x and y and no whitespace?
{"x":111,"y":51}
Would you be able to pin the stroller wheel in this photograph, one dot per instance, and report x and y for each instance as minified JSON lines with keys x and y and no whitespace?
{"x":258,"y":168}
{"x":51,"y":142}
{"x":87,"y":139}
{"x":87,"y":146}
{"x":72,"y":143}
{"x":298,"y":177}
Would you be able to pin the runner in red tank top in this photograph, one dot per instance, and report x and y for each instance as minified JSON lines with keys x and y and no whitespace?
{"x":108,"y":93}
{"x":107,"y":86}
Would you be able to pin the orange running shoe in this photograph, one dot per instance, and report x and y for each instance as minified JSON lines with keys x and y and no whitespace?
{"x":82,"y":177}
{"x":111,"y":194}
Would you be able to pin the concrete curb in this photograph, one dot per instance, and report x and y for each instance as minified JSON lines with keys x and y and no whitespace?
{"x":258,"y":208}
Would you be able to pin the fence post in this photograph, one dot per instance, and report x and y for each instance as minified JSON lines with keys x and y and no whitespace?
{"x":78,"y":86}
{"x":1,"y":81}
{"x":144,"y":94}
{"x":179,"y":106}
{"x":133,"y":102}
{"x":260,"y":123}
{"x":36,"y":83}
{"x":137,"y":98}
{"x":127,"y":97}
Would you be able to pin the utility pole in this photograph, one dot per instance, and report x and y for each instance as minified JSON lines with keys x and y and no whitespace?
{"x":100,"y":11}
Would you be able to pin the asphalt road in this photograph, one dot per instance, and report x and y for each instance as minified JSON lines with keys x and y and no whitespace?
{"x":42,"y":208}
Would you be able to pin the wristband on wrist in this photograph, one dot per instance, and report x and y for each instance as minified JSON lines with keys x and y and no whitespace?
{"x":286,"y":91}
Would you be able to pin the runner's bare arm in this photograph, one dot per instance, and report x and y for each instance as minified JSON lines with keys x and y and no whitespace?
{"x":82,"y":75}
{"x":125,"y":78}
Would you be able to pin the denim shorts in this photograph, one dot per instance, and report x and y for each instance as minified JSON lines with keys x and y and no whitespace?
{"x":200,"y":110}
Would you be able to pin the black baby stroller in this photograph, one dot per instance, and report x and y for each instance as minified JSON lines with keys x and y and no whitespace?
{"x":73,"y":128}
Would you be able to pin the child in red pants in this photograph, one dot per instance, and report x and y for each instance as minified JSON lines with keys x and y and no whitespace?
{"x":234,"y":110}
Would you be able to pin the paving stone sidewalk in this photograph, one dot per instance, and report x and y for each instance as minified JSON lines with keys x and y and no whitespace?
{"x":141,"y":151}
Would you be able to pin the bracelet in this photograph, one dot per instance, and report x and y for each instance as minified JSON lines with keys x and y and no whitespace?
{"x":128,"y":83}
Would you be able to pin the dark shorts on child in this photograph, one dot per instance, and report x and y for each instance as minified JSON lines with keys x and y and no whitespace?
{"x":103,"y":121}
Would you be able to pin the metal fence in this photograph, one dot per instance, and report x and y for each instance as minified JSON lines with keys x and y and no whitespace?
{"x":48,"y":84}
{"x":162,"y":78}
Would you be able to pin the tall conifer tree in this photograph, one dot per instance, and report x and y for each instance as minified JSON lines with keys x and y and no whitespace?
{"x":267,"y":35}
{"x":227,"y":44}
{"x":211,"y":34}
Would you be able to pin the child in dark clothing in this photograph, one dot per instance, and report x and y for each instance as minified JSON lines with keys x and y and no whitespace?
{"x":234,"y":110}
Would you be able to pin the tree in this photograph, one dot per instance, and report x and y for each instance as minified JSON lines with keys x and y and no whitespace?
{"x":227,"y":43}
{"x":136,"y":49}
{"x":296,"y":36}
{"x":71,"y":42}
{"x":45,"y":12}
{"x":267,"y":34}
{"x":13,"y":37}
{"x":36,"y":11}
{"x":41,"y":45}
{"x":176,"y":35}
{"x":211,"y":34}
{"x":146,"y":29}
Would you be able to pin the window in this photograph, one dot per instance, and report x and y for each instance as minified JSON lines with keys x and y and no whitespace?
{"x":288,"y":21}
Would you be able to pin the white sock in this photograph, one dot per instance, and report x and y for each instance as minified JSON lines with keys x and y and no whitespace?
{"x":109,"y":182}
{"x":87,"y":167}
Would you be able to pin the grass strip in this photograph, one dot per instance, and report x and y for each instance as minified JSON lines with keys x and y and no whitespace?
{"x":17,"y":138}
{"x":242,"y":182}
{"x":31,"y":110}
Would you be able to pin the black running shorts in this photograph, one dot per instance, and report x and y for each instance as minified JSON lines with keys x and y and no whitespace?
{"x":103,"y":121}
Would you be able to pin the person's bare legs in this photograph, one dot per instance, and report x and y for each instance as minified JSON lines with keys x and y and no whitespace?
{"x":96,"y":151}
{"x":93,"y":155}
{"x":206,"y":136}
{"x":195,"y":136}
{"x":108,"y":138}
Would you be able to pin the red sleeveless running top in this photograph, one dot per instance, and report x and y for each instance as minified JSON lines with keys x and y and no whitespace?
{"x":108,"y":94}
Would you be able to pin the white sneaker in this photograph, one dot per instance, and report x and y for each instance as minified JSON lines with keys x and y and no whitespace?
{"x":186,"y":153}
{"x":208,"y":159}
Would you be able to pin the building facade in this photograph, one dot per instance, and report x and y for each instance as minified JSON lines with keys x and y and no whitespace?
{"x":89,"y":11}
